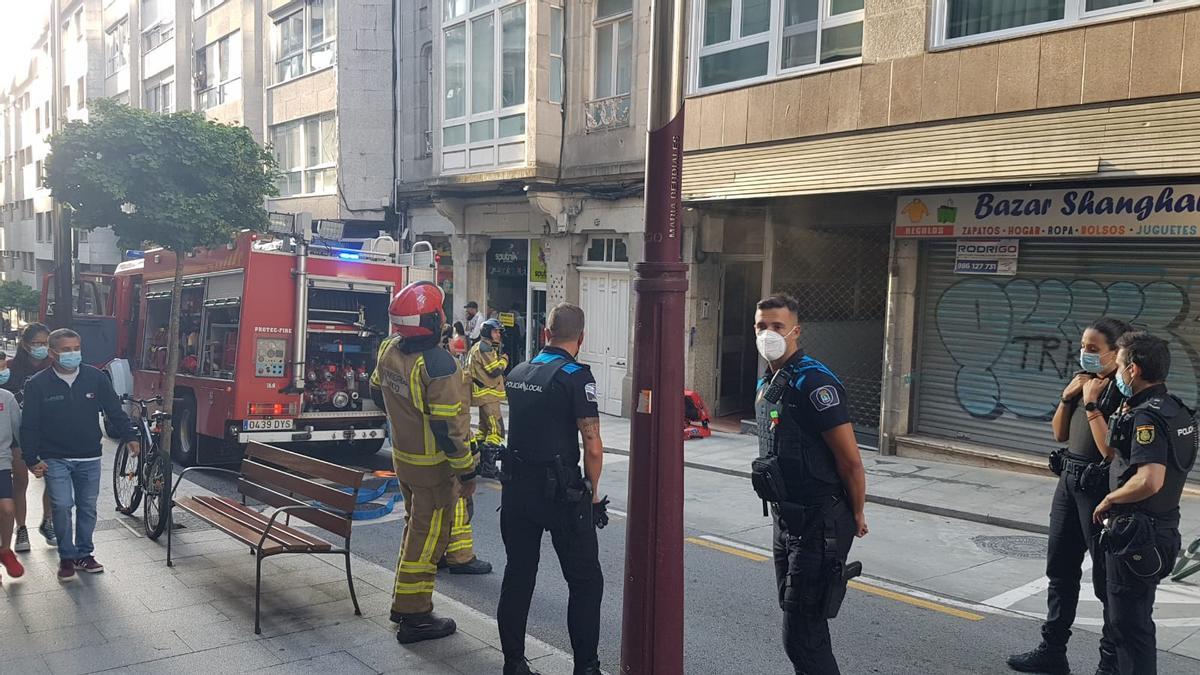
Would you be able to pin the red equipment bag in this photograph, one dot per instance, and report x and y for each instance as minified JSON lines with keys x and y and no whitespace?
{"x":696,"y":417}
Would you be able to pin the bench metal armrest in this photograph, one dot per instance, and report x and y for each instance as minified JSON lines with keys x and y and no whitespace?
{"x":270,"y":523}
{"x":198,"y":468}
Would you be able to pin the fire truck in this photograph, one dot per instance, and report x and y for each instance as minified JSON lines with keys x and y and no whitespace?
{"x":278,"y":338}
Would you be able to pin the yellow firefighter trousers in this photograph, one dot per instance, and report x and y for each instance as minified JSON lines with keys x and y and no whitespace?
{"x":461,"y":549}
{"x":491,"y":424}
{"x":428,"y":520}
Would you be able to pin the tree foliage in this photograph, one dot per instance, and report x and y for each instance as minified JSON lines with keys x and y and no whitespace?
{"x":178,"y":181}
{"x":18,"y":296}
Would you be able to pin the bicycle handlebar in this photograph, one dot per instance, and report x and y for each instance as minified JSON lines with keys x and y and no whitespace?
{"x":126,"y":398}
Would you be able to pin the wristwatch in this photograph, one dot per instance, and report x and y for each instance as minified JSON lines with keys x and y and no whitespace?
{"x":1091,"y":406}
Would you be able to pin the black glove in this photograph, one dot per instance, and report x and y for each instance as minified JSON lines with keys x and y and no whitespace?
{"x":600,"y":513}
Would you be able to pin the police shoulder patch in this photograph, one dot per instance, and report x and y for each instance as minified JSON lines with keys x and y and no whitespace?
{"x":589,"y":390}
{"x":1145,"y":434}
{"x":824,"y":398}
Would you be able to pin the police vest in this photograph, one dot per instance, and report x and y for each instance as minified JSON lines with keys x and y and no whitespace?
{"x":809,"y":467}
{"x":541,"y":426}
{"x":1180,"y":423}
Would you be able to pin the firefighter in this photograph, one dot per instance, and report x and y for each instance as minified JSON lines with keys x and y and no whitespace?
{"x":419,"y":385}
{"x":486,"y":364}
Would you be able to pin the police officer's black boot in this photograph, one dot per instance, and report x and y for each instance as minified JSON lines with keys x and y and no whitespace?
{"x":592,"y":668}
{"x":412,"y":628}
{"x":1108,"y":663}
{"x":1043,"y":659}
{"x":521,"y":668}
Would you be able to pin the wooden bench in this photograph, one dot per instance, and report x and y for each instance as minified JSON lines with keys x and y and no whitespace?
{"x":289,"y":482}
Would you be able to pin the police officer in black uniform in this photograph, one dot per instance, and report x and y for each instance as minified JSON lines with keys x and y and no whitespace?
{"x":551,"y":401}
{"x":1154,"y":440}
{"x":1080,"y":421}
{"x":810,"y":472}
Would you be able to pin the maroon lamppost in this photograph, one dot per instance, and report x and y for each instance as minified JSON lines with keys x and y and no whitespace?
{"x":652,"y":625}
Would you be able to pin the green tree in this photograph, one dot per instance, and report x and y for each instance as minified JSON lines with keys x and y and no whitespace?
{"x":15,"y":295}
{"x":178,"y":181}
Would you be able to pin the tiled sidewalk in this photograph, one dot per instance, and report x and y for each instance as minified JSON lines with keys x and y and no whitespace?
{"x":198,"y":617}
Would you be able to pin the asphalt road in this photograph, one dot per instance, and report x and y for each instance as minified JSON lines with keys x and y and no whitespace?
{"x":732,"y":619}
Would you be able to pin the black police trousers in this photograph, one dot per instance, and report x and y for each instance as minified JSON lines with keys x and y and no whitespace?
{"x":524,"y":515}
{"x":1072,"y":533}
{"x":1131,"y":606}
{"x":800,"y":576}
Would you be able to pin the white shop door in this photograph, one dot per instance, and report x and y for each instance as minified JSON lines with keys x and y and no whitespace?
{"x":604,"y":297}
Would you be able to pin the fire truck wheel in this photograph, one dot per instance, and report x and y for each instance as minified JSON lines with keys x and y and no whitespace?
{"x":183,"y":439}
{"x":363,"y":450}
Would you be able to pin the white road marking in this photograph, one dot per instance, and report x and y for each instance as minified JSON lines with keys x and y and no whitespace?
{"x":1009,"y":598}
{"x":617,"y":512}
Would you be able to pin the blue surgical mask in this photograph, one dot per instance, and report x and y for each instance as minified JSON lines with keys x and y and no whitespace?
{"x":1090,"y":362}
{"x":70,"y":360}
{"x":40,"y":352}
{"x":4,"y":375}
{"x":1123,"y":386}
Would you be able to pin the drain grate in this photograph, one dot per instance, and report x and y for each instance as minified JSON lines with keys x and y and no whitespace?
{"x":1017,"y":546}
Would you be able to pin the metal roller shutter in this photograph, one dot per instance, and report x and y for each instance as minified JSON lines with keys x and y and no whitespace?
{"x":996,"y":352}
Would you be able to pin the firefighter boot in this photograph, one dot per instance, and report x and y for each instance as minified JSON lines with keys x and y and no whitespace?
{"x":1043,"y":659}
{"x":412,"y":628}
{"x":475,"y":566}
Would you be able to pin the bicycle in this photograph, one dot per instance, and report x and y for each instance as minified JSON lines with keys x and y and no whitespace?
{"x":144,"y":478}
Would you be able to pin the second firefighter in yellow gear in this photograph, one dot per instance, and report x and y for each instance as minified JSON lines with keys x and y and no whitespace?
{"x":423,"y":392}
{"x":485,"y":366}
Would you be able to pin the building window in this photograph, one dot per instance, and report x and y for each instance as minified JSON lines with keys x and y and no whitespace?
{"x":200,"y":7}
{"x":607,"y":250}
{"x":425,"y":111}
{"x":80,"y":94}
{"x":742,"y":41}
{"x":116,"y":47}
{"x":557,"y":75}
{"x":158,"y":23}
{"x":66,"y":96}
{"x":78,"y":21}
{"x":613,"y":38}
{"x":307,"y":154}
{"x":959,"y":21}
{"x":160,"y":94}
{"x":219,"y":72}
{"x":305,"y":40}
{"x":483,"y":73}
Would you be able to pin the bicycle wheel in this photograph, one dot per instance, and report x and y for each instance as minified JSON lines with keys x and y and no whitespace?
{"x":157,"y":486}
{"x":127,"y":479}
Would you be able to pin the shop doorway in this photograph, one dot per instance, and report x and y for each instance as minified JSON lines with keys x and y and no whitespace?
{"x":536,"y":320}
{"x":508,"y":292}
{"x":741,"y":288}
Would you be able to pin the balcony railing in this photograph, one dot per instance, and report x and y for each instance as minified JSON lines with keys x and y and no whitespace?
{"x":606,"y":113}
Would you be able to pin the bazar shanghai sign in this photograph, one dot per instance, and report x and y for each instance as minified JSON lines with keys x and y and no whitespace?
{"x":1134,"y":212}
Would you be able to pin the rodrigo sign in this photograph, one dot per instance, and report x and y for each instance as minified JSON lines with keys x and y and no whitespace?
{"x":996,"y":257}
{"x":1136,"y":212}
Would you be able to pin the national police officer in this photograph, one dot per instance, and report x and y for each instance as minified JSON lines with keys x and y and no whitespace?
{"x":1080,"y":421}
{"x":1155,"y":446}
{"x":810,"y":471}
{"x":552,"y":400}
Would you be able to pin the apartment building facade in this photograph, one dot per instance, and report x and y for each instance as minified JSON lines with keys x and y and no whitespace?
{"x":960,"y":187}
{"x":313,"y":78}
{"x":521,"y":155}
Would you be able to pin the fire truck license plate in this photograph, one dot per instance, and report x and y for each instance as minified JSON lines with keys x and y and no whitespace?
{"x":268,"y":425}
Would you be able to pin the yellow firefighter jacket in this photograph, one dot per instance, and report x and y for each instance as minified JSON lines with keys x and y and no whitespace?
{"x":486,"y":366}
{"x":427,"y":403}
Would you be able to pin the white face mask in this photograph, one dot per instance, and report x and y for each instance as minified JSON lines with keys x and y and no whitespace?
{"x":771,"y":345}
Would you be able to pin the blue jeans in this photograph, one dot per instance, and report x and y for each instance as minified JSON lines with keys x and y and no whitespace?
{"x":73,"y":485}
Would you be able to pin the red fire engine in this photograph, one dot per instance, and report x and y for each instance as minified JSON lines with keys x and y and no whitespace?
{"x":278,"y":339}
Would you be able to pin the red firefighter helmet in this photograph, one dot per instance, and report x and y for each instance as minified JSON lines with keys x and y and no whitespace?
{"x":416,"y":311}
